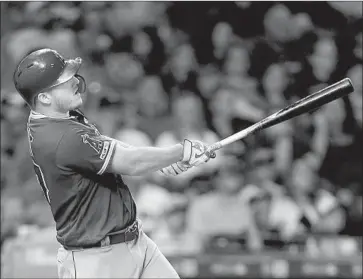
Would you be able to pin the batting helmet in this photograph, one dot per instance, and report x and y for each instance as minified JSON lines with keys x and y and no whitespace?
{"x":44,"y":69}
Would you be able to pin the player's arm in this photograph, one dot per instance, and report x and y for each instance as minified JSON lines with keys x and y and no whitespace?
{"x":142,"y":160}
{"x":171,"y":170}
{"x":80,"y":150}
{"x":123,"y":144}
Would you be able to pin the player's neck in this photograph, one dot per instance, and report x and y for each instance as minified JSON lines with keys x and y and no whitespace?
{"x":51,"y":113}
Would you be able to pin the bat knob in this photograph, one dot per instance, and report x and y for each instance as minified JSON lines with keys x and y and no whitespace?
{"x":211,"y":150}
{"x":210,"y":153}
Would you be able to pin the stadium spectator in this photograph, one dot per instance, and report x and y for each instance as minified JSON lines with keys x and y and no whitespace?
{"x":149,"y":49}
{"x":227,"y":105}
{"x":277,"y":216}
{"x":341,"y":163}
{"x":153,"y":201}
{"x":172,"y":235}
{"x":153,"y":107}
{"x":274,"y":84}
{"x":235,"y":69}
{"x":123,"y":70}
{"x":358,"y":49}
{"x":212,"y":208}
{"x":322,"y":211}
{"x":354,"y":217}
{"x":222,"y":36}
{"x":208,"y":80}
{"x":323,"y":61}
{"x":355,"y":74}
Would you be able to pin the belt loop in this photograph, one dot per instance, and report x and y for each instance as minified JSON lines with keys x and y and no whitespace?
{"x":106,"y":241}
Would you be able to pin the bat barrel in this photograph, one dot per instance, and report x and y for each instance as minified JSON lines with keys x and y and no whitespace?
{"x":311,"y":102}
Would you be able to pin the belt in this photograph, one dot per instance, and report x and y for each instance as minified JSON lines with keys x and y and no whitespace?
{"x":129,"y":234}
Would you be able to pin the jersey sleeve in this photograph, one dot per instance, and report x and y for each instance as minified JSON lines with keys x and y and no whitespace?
{"x":83,"y":150}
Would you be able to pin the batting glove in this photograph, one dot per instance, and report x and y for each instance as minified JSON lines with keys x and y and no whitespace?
{"x":194,"y":153}
{"x":175,"y":169}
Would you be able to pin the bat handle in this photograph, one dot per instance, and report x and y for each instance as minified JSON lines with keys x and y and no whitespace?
{"x":210,"y":152}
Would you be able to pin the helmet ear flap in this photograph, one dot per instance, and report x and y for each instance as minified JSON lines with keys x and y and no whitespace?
{"x":81,"y":84}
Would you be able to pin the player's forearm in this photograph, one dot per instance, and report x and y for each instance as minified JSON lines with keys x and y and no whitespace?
{"x":143,"y":160}
{"x":150,"y":159}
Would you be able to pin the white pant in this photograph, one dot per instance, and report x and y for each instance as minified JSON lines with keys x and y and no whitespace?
{"x":140,"y":258}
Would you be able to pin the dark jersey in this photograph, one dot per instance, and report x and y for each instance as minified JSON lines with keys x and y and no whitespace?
{"x":72,"y":162}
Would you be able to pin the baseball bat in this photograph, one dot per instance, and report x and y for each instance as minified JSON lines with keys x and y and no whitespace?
{"x":309,"y":103}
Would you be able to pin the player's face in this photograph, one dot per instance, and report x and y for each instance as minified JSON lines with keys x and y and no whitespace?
{"x":66,"y":97}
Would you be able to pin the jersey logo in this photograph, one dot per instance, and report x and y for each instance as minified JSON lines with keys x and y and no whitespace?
{"x":91,"y":125}
{"x":95,"y":129}
{"x":96,"y":144}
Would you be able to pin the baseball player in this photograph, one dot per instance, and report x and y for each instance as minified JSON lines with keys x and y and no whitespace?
{"x":80,"y":171}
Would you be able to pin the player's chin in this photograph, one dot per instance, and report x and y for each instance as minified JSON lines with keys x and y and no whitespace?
{"x":80,"y":102}
{"x":77,"y":103}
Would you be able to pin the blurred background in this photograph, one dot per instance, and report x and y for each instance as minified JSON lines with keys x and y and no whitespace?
{"x":284,"y":203}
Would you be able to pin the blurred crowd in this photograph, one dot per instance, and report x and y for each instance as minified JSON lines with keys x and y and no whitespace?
{"x":159,"y":72}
